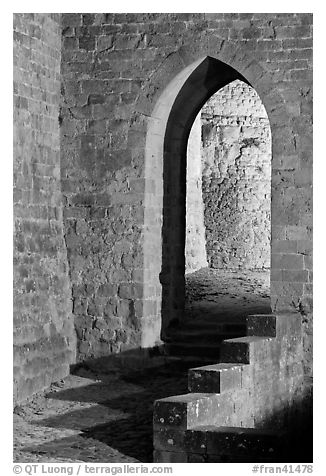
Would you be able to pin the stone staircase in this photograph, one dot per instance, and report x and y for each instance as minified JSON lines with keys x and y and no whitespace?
{"x":201,"y":339}
{"x":237,"y":409}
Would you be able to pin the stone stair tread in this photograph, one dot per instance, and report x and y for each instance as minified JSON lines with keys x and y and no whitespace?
{"x":198,"y":361}
{"x":219,"y":367}
{"x":260,"y":315}
{"x":237,"y":430}
{"x":213,"y":324}
{"x":235,"y":442}
{"x":215,"y":378}
{"x":261,"y":325}
{"x":204,"y":337}
{"x":209,"y":320}
{"x":199,"y":342}
{"x":248,"y":339}
{"x":203,"y":330}
{"x":195,"y":350}
{"x":184,"y":410}
{"x":185,"y":397}
{"x":241,"y":350}
{"x":192,"y":345}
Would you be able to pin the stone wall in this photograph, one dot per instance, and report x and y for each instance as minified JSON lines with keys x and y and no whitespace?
{"x":44,"y":336}
{"x":236,"y":155}
{"x":102,"y":183}
{"x":229,"y":182}
{"x":115,"y":69}
{"x":195,"y":247}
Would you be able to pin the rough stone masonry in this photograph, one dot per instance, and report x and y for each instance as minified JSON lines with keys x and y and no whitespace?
{"x":229,"y":183}
{"x":95,"y":112}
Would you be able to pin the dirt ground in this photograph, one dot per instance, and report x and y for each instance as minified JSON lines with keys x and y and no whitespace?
{"x":227,"y":295}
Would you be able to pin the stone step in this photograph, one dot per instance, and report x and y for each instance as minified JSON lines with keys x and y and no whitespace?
{"x":234,"y":443}
{"x":209,"y":443}
{"x":255,"y":325}
{"x":201,"y":340}
{"x":242,"y":349}
{"x":194,"y":409}
{"x":215,"y":378}
{"x":189,"y":361}
{"x":270,"y":325}
{"x":261,"y":325}
{"x":224,"y":326}
{"x":212,"y":423}
{"x":204,"y":335}
{"x":194,"y":350}
{"x":184,"y":411}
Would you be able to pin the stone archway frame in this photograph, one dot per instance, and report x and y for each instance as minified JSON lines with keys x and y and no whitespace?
{"x":164,"y":113}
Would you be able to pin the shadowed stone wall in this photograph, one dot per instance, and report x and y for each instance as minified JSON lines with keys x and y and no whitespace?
{"x":44,"y":335}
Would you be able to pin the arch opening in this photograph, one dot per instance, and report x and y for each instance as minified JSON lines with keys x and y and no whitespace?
{"x":165,"y":210}
{"x":228,"y":206}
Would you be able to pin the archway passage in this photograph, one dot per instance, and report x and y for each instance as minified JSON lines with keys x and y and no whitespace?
{"x":228,"y":206}
{"x":208,"y":77}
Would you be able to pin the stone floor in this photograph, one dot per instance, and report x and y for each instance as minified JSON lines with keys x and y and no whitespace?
{"x":98,"y":418}
{"x":91,"y":417}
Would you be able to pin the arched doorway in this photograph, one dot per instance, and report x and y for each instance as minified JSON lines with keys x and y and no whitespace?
{"x":168,"y":130}
{"x":228,"y":208}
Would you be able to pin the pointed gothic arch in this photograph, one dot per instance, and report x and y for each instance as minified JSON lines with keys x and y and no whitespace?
{"x":169,"y":104}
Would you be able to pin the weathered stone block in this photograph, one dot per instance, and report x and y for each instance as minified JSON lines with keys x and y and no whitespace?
{"x":168,"y":439}
{"x":131,"y":291}
{"x":214,"y":378}
{"x":295,"y":276}
{"x":72,"y":19}
{"x":238,"y":441}
{"x":287,"y":261}
{"x":242,"y":349}
{"x":169,"y":457}
{"x":87,"y":43}
{"x":261,"y":325}
{"x":284,"y":246}
{"x":185,"y":410}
